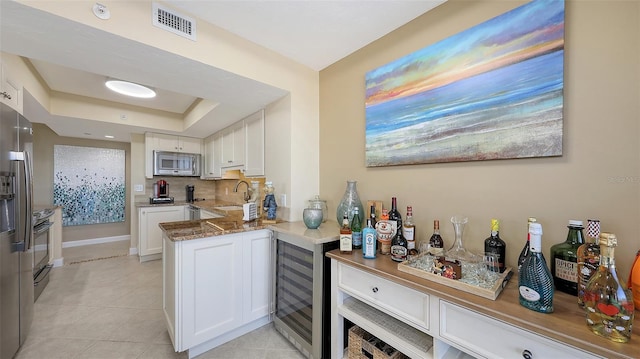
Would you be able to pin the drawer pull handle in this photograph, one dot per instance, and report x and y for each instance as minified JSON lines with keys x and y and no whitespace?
{"x":375,"y":289}
{"x":527,"y":354}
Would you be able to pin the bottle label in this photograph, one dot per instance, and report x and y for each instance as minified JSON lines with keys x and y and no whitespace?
{"x":385,"y":246}
{"x":346,"y":243}
{"x":369,"y":246}
{"x":435,"y":251}
{"x":409,"y":233}
{"x":529,"y":294}
{"x":566,"y":270}
{"x":398,"y":253}
{"x":357,"y":239}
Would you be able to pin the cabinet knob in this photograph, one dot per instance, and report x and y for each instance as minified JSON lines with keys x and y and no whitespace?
{"x":5,"y":95}
{"x":527,"y":354}
{"x":375,"y":289}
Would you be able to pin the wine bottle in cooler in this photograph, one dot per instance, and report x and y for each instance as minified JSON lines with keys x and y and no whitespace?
{"x":535,"y":283}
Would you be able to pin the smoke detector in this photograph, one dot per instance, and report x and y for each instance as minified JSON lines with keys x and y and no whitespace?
{"x":170,"y":20}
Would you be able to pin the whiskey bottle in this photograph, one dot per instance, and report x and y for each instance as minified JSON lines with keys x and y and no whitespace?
{"x":525,"y":249}
{"x":394,"y":215}
{"x":409,"y":232}
{"x":399,"y":247}
{"x":436,"y":244}
{"x":564,"y":259}
{"x":385,"y":232}
{"x":356,"y":229}
{"x":608,"y":303}
{"x":535,"y":284}
{"x":346,"y":240}
{"x":369,"y":239}
{"x":495,"y":249}
{"x":588,"y":258}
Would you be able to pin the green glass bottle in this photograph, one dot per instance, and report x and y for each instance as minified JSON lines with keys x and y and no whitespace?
{"x":564,"y":259}
{"x":356,"y":229}
{"x":535,"y":284}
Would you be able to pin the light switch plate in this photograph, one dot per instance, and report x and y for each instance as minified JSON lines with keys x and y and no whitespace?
{"x":283,"y":200}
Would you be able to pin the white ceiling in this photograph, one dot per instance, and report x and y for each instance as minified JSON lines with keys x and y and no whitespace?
{"x":314,"y":33}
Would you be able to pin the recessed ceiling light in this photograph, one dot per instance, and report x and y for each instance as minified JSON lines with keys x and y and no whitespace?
{"x":109,"y":136}
{"x":130,"y":89}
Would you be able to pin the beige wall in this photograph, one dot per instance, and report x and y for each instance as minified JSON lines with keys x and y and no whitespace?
{"x":43,"y":141}
{"x":598,"y":175}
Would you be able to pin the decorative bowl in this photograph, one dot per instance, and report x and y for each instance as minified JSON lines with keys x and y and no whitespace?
{"x":312,"y":217}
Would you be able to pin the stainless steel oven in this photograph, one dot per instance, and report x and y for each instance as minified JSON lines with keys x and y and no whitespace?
{"x":302,"y":295}
{"x":41,"y":267}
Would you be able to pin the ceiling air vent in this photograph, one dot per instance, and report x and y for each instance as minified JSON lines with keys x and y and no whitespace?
{"x":171,"y":21}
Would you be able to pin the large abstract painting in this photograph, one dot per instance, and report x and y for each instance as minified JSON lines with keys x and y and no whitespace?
{"x":89,"y":184}
{"x":494,"y":91}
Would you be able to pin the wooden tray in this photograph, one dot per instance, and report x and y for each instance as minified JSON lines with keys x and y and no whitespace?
{"x":489,"y":293}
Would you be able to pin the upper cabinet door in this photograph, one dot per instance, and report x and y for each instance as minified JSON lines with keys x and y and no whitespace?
{"x":10,"y":89}
{"x":254,"y":147}
{"x":233,"y":140}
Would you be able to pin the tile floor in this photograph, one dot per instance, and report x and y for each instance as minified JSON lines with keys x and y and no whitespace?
{"x":112,"y":308}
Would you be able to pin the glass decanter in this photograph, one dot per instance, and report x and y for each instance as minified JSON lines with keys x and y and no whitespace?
{"x":457,"y":250}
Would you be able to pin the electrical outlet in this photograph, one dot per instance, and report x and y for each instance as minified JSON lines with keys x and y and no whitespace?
{"x":138,"y":188}
{"x":283,"y":200}
{"x":226,"y":190}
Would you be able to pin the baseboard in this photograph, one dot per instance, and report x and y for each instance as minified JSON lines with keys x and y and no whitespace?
{"x":87,"y":242}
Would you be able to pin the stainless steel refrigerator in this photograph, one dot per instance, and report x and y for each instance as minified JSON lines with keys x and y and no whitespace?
{"x":16,"y":230}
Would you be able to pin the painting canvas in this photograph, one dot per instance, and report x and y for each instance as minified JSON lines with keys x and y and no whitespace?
{"x":89,"y":184}
{"x":494,"y":91}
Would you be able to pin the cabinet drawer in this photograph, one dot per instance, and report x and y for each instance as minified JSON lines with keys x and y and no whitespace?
{"x":494,"y":339}
{"x":386,"y":295}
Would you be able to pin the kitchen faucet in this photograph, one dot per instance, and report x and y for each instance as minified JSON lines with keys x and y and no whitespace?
{"x":247,"y":195}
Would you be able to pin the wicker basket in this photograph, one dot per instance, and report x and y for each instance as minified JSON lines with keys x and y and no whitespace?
{"x":363,"y":345}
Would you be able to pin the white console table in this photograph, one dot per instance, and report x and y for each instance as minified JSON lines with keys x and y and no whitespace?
{"x":424,"y":319}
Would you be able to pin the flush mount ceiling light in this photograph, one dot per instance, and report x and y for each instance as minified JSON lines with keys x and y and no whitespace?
{"x":130,"y":89}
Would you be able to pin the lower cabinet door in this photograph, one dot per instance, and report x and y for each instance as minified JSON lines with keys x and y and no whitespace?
{"x":257,"y":274}
{"x":489,"y":338}
{"x":212,"y":286}
{"x":150,"y":234}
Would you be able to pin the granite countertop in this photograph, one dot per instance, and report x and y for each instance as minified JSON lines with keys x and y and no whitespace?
{"x":203,"y":228}
{"x":208,"y":205}
{"x":186,"y":230}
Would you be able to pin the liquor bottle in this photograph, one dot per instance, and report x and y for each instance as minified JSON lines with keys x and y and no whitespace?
{"x":564,"y":259}
{"x":399,"y":247}
{"x":525,"y":249}
{"x":356,"y":229}
{"x":369,"y":239}
{"x":409,"y":232}
{"x":535,"y":283}
{"x":372,"y":216}
{"x":436,"y":244}
{"x":495,"y":249}
{"x":346,"y":241}
{"x":634,"y":281}
{"x":608,"y":303}
{"x":588,"y":258}
{"x":385,"y":233}
{"x":394,"y":215}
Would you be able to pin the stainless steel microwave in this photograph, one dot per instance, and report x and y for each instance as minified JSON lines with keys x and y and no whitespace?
{"x":176,"y":164}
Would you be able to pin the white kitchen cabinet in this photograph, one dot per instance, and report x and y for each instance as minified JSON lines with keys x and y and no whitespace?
{"x":216,"y":289}
{"x":212,"y":156}
{"x":162,"y":142}
{"x":172,"y":143}
{"x":150,"y":234}
{"x":10,"y":89}
{"x":233,"y":145}
{"x":254,"y":144}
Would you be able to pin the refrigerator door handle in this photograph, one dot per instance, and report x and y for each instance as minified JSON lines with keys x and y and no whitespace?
{"x":28,"y":179}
